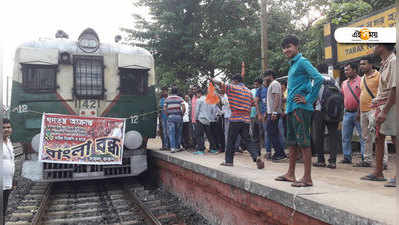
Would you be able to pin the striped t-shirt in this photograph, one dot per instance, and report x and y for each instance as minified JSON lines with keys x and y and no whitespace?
{"x":173,"y":105}
{"x":240,"y":100}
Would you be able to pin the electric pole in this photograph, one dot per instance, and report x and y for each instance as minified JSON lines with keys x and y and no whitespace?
{"x":263,"y":20}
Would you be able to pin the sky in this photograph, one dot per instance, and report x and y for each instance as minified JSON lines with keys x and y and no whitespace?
{"x":27,"y":20}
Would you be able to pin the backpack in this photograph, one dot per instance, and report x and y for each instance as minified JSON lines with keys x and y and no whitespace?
{"x":332,"y":102}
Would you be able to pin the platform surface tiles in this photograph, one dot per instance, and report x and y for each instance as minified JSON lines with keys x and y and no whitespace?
{"x":337,"y":197}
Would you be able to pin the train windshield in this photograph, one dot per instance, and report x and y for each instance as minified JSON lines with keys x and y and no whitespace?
{"x":39,"y":78}
{"x":133,"y":81}
{"x":89,"y":76}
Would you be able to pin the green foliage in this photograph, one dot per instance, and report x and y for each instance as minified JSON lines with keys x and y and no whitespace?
{"x":192,"y":40}
{"x":342,"y":13}
{"x":380,"y":4}
{"x":313,"y":43}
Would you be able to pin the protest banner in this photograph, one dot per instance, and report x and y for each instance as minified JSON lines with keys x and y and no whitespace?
{"x":81,"y":140}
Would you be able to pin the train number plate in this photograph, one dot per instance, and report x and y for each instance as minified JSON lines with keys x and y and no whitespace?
{"x":88,"y":107}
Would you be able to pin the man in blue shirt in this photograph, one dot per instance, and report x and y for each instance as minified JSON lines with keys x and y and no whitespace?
{"x":255,"y":123}
{"x":163,"y":120}
{"x":261,"y":108}
{"x":301,"y":96}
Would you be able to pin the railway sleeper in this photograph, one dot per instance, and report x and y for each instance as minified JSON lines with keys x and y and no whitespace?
{"x":131,"y":222}
{"x":152,"y":204}
{"x":74,"y":201}
{"x":76,"y":195}
{"x":168,"y":218}
{"x":18,"y":223}
{"x":76,"y":220}
{"x":77,"y":206}
{"x":134,"y":219}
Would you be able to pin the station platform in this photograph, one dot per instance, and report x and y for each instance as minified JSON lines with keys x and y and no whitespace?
{"x":337,"y":197}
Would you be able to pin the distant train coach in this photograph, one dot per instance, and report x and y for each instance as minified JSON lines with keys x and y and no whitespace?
{"x":85,"y":78}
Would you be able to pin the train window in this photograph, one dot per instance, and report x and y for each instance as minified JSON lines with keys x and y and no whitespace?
{"x":88,"y":76}
{"x":133,"y":81}
{"x":39,"y":78}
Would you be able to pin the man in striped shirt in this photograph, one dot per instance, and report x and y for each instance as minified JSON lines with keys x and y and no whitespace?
{"x":174,"y":109}
{"x":240,"y":100}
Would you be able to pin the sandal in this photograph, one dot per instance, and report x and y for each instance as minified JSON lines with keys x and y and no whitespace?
{"x":372,"y":177}
{"x":301,"y":184}
{"x":226,"y":164}
{"x":319,"y":164}
{"x":283,"y":178}
{"x":259,"y":163}
{"x":332,"y":166}
{"x":391,"y":183}
{"x":362,"y":164}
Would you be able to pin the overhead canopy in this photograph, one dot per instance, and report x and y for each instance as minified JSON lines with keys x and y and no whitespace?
{"x":35,"y":56}
{"x":135,"y":61}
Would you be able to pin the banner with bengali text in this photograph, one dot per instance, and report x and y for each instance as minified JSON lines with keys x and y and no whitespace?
{"x":81,"y":140}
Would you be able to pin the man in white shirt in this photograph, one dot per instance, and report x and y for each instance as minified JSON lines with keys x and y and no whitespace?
{"x":186,"y":123}
{"x":8,"y":164}
{"x":274,"y":106}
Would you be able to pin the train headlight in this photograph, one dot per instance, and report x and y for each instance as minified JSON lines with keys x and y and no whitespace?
{"x":133,"y":139}
{"x":36,"y":142}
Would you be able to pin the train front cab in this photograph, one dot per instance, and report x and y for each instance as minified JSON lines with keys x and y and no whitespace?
{"x":87,"y":78}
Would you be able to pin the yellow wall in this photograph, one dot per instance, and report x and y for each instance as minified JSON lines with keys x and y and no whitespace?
{"x":350,"y":51}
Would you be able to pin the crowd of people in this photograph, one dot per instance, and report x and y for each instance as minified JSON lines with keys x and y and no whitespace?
{"x":291,"y":115}
{"x":277,"y":116}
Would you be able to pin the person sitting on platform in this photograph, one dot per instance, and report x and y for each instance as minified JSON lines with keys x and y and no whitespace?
{"x":301,"y":96}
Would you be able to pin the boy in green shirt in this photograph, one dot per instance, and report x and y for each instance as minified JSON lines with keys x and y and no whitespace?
{"x":301,"y":96}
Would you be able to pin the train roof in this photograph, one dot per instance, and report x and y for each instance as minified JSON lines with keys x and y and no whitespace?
{"x":67,"y":45}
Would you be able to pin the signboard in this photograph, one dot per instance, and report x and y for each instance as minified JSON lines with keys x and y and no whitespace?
{"x":347,"y":52}
{"x":81,"y":140}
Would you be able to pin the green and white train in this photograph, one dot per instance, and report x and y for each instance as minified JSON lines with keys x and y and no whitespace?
{"x":88,"y":78}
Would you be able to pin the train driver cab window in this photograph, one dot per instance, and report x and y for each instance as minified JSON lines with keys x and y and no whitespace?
{"x":39,"y":78}
{"x":88,"y":77}
{"x":133,"y":81}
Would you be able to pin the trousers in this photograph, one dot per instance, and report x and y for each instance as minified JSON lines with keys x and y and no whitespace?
{"x":235,"y":129}
{"x":318,"y":129}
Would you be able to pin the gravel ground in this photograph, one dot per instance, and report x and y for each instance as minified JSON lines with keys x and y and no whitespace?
{"x":188,"y":215}
{"x":23,"y":186}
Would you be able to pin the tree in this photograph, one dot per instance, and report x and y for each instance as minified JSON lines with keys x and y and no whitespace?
{"x":195,"y":39}
{"x":345,"y":12}
{"x":380,"y":4}
{"x":375,"y":4}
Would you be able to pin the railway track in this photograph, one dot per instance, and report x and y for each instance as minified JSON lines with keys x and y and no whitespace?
{"x":116,"y":201}
{"x":18,"y":150}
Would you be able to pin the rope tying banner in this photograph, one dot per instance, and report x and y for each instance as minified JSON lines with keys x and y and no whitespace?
{"x":24,"y":109}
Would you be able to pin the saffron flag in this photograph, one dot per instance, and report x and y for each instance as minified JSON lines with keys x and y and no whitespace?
{"x":211,"y":97}
{"x":242,"y":70}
